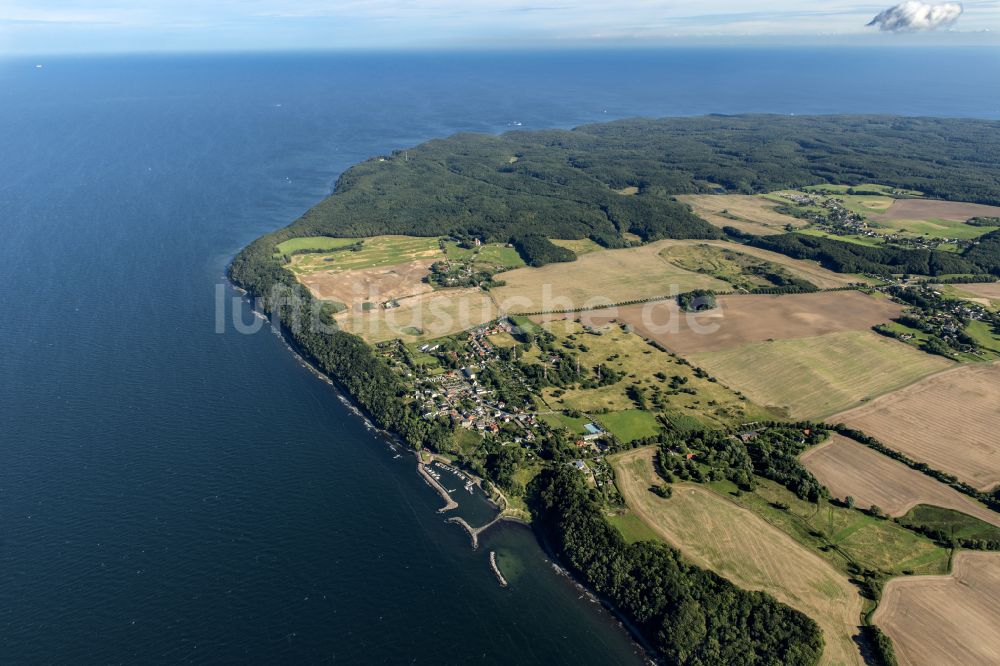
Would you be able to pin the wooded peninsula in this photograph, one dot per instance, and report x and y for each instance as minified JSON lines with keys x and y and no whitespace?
{"x":546,"y":198}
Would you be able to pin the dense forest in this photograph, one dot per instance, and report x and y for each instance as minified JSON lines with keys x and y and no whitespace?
{"x":573,"y":184}
{"x":688,"y":614}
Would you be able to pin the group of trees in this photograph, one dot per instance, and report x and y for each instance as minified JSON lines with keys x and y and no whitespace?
{"x":689,"y":615}
{"x":537,"y":250}
{"x":696,"y":300}
{"x":771,"y":451}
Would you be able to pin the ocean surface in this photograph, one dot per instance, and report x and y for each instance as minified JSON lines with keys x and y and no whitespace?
{"x":172,"y":494}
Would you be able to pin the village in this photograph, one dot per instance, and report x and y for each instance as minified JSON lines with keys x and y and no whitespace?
{"x":838,"y":220}
{"x":469,"y":385}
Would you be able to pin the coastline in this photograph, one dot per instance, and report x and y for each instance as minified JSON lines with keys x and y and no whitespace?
{"x":638,"y":640}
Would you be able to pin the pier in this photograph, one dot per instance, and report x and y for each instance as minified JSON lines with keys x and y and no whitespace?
{"x":496,"y":569}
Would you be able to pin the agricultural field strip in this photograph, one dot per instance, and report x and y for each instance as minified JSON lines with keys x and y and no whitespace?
{"x":950,"y":619}
{"x":960,"y":407}
{"x":817,"y":376}
{"x":848,"y":468}
{"x":752,"y":553}
{"x":598,"y":278}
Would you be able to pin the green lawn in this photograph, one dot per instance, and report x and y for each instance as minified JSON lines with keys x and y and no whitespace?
{"x":575,"y":424}
{"x":630,"y":425}
{"x":632,"y":528}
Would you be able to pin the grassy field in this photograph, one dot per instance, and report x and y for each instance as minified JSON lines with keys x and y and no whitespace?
{"x":632,"y":527}
{"x":851,"y":238}
{"x":630,"y":425}
{"x":598,"y":278}
{"x":710,"y":404}
{"x":936,"y":227}
{"x":948,"y":421}
{"x":750,"y":214}
{"x":946,"y":619}
{"x":817,"y":376}
{"x":492,"y":254}
{"x":848,"y":468}
{"x":321,"y":243}
{"x":376,"y":251}
{"x":716,"y":534}
{"x":575,"y":424}
{"x":582,"y":246}
{"x":739,"y":269}
{"x":955,"y":524}
{"x":865,"y":187}
{"x":502,"y":340}
{"x":989,"y":291}
{"x":841,"y":536}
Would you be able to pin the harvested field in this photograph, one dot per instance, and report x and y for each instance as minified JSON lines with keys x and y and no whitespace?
{"x":738,"y":545}
{"x":817,"y":376}
{"x":990,"y":291}
{"x":422,"y":317}
{"x":598,"y":278}
{"x":851,"y":469}
{"x":748,"y":318}
{"x":949,"y":421}
{"x":375,"y":285}
{"x":935,"y":209}
{"x":952,"y":619}
{"x":750,"y":214}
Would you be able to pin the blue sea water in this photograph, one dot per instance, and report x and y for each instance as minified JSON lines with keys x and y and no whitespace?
{"x":172,"y":494}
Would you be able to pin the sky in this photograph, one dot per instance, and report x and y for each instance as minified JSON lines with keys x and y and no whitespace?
{"x":97,"y":26}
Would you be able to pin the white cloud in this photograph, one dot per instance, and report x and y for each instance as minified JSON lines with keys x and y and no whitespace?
{"x":913,"y":15}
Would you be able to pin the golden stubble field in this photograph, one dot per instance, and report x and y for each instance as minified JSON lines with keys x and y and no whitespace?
{"x":598,"y":278}
{"x":955,"y":619}
{"x":376,"y":285}
{"x":848,"y":468}
{"x":716,"y":534}
{"x":821,"y":375}
{"x":951,"y":421}
{"x":743,"y":319}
